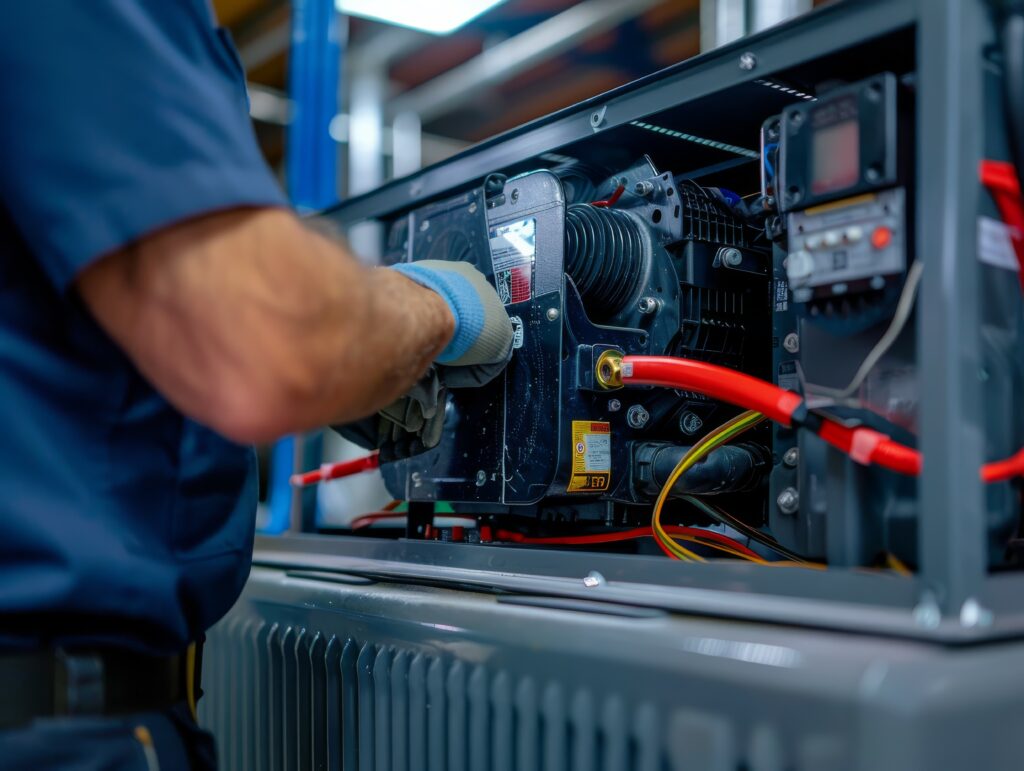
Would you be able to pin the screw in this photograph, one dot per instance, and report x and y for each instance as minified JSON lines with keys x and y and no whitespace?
{"x":791,"y":457}
{"x":972,"y":614}
{"x":791,"y":342}
{"x":614,"y":405}
{"x":515,"y":194}
{"x":647,"y":305}
{"x":553,"y":314}
{"x":637,"y":416}
{"x":690,"y":422}
{"x":643,"y":188}
{"x":597,"y":117}
{"x":732,"y":257}
{"x":481,"y":478}
{"x":748,"y":61}
{"x":417,"y":479}
{"x":788,"y":501}
{"x":927,"y":613}
{"x":472,"y":208}
{"x":425,"y":225}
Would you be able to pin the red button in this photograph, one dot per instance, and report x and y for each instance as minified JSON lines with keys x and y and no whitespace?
{"x":881,"y":237}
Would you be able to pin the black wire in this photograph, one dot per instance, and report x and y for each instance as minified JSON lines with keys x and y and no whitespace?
{"x":740,"y":526}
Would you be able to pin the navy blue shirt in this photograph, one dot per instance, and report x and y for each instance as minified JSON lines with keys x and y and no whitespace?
{"x":121,"y":521}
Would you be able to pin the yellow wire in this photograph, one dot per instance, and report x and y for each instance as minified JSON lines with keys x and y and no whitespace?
{"x":721,"y":435}
{"x":897,"y":565}
{"x":693,"y":455}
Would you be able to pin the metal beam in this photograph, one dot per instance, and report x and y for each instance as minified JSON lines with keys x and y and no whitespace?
{"x":510,"y":57}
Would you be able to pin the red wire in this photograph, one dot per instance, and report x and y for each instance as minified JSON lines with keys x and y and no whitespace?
{"x":625,"y":535}
{"x":328,"y":471}
{"x":612,"y":199}
{"x":365,"y":520}
{"x":1003,"y":470}
{"x":864,"y":444}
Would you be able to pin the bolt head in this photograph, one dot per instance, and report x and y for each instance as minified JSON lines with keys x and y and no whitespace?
{"x":732,"y":257}
{"x":647,"y":305}
{"x":791,"y":457}
{"x":553,"y":314}
{"x":637,"y":416}
{"x":690,"y":423}
{"x":788,"y":501}
{"x":643,"y":188}
{"x":791,"y":342}
{"x":748,"y":61}
{"x":614,"y":405}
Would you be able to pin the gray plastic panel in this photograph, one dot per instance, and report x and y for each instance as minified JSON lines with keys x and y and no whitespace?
{"x":314,"y":674}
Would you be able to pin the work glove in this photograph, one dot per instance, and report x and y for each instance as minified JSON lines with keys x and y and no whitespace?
{"x":476,"y":354}
{"x":482,"y":343}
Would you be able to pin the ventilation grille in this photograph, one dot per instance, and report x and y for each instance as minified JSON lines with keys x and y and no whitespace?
{"x":705,"y":218}
{"x":715,"y":326}
{"x":285,"y":697}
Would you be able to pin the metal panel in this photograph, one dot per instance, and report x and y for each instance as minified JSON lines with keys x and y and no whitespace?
{"x":436,"y":679}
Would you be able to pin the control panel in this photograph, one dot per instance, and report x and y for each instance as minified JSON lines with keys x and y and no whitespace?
{"x":848,"y":246}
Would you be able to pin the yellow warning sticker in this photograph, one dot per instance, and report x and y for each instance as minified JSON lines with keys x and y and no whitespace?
{"x":591,"y":457}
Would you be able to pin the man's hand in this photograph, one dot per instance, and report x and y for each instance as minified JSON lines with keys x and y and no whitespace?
{"x":252,"y":324}
{"x":483,"y":332}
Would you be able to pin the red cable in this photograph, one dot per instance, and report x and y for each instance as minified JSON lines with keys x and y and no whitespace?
{"x":1003,"y":470}
{"x":1001,"y":180}
{"x":625,"y":535}
{"x":328,"y":471}
{"x":611,"y":200}
{"x":864,"y":445}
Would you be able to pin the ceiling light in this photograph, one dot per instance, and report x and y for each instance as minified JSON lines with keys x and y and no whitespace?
{"x":438,"y":18}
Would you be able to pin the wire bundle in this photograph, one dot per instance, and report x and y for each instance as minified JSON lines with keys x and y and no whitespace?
{"x":724,"y":433}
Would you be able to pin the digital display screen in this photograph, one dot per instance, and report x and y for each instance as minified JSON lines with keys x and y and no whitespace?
{"x":835,"y":156}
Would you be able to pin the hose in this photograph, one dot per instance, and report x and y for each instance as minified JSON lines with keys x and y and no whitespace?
{"x":864,"y":445}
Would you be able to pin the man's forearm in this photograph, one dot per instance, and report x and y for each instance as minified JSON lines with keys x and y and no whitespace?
{"x":256,"y":326}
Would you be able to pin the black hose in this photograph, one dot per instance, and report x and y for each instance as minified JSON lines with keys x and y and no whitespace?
{"x":728,"y":469}
{"x":604,"y":255}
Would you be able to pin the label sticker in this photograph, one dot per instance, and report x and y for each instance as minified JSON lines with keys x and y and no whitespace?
{"x":513,"y":249}
{"x":517,"y":332}
{"x":789,"y":378}
{"x":781,"y":296}
{"x":591,"y":457}
{"x":995,"y":244}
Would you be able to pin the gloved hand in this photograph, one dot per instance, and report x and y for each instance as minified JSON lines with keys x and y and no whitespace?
{"x":482,"y":343}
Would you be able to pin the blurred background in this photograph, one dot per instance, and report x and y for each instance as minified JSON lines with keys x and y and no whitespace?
{"x":407,"y":98}
{"x":346,"y":95}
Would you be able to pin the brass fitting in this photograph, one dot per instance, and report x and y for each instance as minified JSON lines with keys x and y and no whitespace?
{"x":608,"y":371}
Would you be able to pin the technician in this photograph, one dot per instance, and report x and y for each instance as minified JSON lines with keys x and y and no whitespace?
{"x":160,"y":309}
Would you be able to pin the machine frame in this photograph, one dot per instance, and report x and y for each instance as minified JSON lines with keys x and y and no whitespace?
{"x":953,"y":597}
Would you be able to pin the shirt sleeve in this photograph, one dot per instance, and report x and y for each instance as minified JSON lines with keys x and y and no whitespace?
{"x":120,"y":117}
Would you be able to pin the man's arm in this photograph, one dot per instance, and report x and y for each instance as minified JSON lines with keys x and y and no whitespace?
{"x":256,"y":326}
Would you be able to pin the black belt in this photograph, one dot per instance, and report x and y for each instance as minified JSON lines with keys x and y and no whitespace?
{"x":58,"y":683}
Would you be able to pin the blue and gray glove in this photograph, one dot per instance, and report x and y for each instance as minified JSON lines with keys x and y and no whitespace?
{"x":476,"y":354}
{"x":482,"y":343}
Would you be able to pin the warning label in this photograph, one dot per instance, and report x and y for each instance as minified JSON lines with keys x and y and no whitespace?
{"x":513,"y":249}
{"x":591,"y":457}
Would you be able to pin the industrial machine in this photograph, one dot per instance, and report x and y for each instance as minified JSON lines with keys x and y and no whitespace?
{"x":759,"y":433}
